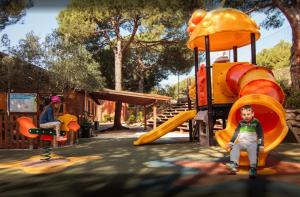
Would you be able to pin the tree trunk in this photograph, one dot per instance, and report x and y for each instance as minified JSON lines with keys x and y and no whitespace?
{"x":117,"y":119}
{"x":118,"y":86}
{"x":295,"y":57}
{"x":141,"y":83}
{"x":292,"y":14}
{"x":118,"y":66}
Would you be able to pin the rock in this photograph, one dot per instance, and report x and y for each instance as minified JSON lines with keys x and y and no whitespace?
{"x":291,"y":110}
{"x":290,"y":116}
{"x":298,"y":118}
{"x":294,"y":123}
{"x":296,"y":130}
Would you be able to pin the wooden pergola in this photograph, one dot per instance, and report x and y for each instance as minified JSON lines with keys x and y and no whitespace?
{"x":145,"y":100}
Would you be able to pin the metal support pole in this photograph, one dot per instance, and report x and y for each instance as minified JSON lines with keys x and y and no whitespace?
{"x":209,"y":92}
{"x":189,"y":107}
{"x":196,"y":80}
{"x":253,"y":49}
{"x":235,"y":57}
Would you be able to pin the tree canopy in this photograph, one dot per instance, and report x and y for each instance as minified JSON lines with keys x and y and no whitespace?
{"x":275,"y":57}
{"x":69,"y":65}
{"x":12,"y":11}
{"x":116,"y":25}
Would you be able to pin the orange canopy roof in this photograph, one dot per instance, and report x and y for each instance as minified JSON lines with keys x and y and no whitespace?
{"x":226,"y":28}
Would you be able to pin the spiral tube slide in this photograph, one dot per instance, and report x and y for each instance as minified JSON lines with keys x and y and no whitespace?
{"x":257,"y":87}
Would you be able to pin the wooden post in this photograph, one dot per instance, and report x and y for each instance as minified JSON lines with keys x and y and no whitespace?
{"x":72,"y":137}
{"x":54,"y":141}
{"x":145,"y":117}
{"x":154,"y":115}
{"x":209,"y":92}
{"x":30,"y":144}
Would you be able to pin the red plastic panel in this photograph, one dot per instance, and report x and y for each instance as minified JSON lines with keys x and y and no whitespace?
{"x":234,"y":74}
{"x":202,"y":88}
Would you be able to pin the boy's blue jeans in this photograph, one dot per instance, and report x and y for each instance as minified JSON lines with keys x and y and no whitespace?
{"x":250,"y":148}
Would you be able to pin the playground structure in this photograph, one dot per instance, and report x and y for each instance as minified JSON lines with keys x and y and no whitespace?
{"x":29,"y":129}
{"x":231,"y":85}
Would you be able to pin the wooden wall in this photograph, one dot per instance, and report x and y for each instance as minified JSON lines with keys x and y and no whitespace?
{"x":10,"y":138}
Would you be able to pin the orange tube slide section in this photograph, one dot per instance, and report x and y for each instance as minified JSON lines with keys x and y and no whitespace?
{"x":257,"y":87}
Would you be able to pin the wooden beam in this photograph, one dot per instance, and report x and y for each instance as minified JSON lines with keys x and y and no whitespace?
{"x":145,"y":117}
{"x":154,"y":115}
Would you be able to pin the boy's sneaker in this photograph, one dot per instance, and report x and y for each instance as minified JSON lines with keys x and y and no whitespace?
{"x":252,"y":172}
{"x":232,"y":166}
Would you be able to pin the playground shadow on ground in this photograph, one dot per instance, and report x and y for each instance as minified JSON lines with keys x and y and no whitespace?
{"x":164,"y":168}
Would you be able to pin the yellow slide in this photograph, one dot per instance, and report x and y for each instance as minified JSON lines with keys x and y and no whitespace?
{"x":166,"y":127}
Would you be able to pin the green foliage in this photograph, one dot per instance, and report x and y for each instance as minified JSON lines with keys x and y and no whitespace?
{"x":274,"y":17}
{"x":87,"y":119}
{"x":72,"y":65}
{"x":140,"y":117}
{"x":30,"y":49}
{"x":178,"y":58}
{"x":293,"y":100}
{"x":157,"y":19}
{"x":107,"y":118}
{"x":292,"y":96}
{"x":131,"y":119}
{"x":151,"y":25}
{"x":172,"y":90}
{"x":276,"y":57}
{"x":12,"y":11}
{"x":282,"y":74}
{"x":166,"y":91}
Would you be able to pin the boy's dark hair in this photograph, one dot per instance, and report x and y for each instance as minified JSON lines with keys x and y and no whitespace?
{"x":246,"y":107}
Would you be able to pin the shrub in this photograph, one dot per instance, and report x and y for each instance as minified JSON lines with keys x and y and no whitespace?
{"x":107,"y":118}
{"x":293,"y":99}
{"x":140,"y":117}
{"x":131,"y":119}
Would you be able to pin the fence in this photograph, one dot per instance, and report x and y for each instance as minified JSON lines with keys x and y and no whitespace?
{"x":11,"y":138}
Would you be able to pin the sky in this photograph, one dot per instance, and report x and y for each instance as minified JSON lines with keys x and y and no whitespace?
{"x":42,"y":20}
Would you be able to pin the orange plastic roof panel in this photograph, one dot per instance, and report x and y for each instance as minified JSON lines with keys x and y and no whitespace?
{"x":226,"y":28}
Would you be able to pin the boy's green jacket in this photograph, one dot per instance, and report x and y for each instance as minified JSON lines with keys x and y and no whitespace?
{"x":252,"y":126}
